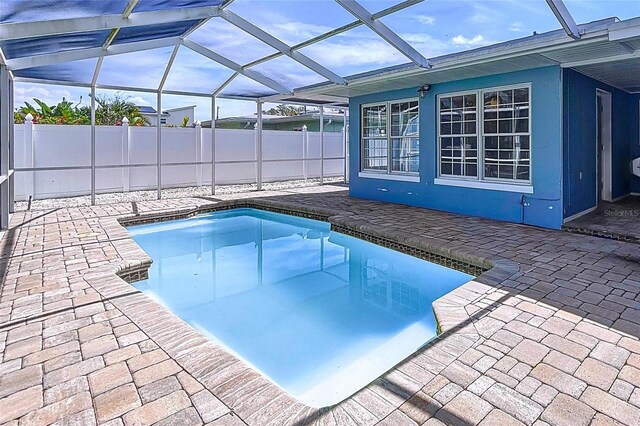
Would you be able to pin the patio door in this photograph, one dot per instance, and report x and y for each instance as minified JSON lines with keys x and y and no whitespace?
{"x":603,"y":146}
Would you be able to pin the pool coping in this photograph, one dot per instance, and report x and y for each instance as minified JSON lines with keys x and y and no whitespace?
{"x":238,"y":385}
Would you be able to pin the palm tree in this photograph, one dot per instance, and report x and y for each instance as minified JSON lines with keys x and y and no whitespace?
{"x":109,"y":112}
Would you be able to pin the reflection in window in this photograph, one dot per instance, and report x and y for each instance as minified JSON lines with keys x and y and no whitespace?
{"x":390,"y":288}
{"x":504,"y":132}
{"x":391,"y":138}
{"x":458,"y":135}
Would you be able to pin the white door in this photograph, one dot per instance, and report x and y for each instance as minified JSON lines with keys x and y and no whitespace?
{"x":603,"y":146}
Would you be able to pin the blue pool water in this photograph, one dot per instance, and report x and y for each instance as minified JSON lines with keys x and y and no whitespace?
{"x":319,"y":313}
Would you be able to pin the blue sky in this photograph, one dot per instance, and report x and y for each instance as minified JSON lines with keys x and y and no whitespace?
{"x":433,"y":27}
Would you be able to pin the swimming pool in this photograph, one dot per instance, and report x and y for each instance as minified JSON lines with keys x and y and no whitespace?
{"x":319,"y":313}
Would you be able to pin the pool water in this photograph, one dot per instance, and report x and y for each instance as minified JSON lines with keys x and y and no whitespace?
{"x":319,"y":313}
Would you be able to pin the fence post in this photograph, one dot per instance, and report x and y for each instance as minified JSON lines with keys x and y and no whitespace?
{"x":199,"y":153}
{"x":29,"y":154}
{"x":125,"y":154}
{"x":305,"y":150}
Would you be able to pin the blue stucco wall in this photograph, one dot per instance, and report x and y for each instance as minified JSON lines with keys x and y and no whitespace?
{"x":542,"y":208}
{"x":579,"y":127}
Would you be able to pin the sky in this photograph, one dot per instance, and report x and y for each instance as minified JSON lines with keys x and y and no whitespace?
{"x":433,"y":27}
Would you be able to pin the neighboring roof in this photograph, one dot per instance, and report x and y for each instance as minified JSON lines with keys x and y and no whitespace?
{"x":148,"y":110}
{"x":169,"y":110}
{"x":266,"y":118}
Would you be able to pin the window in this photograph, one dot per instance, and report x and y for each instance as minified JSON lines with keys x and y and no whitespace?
{"x":503,"y":153}
{"x":390,"y":137}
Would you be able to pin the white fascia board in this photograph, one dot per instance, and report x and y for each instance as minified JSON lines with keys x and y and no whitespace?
{"x":624,"y":29}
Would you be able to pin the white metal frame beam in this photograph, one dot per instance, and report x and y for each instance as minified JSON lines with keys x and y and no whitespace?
{"x":253,"y":75}
{"x":285,"y":49}
{"x":564,"y":17}
{"x":336,"y":31}
{"x":5,"y":150}
{"x":167,"y":70}
{"x":357,"y":10}
{"x":15,"y":30}
{"x":125,"y":14}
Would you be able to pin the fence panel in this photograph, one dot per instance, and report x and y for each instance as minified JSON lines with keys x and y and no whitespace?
{"x":126,"y":158}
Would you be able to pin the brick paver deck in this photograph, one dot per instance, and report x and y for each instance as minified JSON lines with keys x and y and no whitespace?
{"x":549,"y":336}
{"x":615,"y":220}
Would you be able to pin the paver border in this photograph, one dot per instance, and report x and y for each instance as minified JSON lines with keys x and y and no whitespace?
{"x":229,"y":378}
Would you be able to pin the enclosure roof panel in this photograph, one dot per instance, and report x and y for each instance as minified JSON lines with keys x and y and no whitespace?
{"x":34,"y":46}
{"x":293,"y":49}
{"x":44,"y":10}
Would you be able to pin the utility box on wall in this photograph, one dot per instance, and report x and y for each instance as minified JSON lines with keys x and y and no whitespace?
{"x":635,"y":167}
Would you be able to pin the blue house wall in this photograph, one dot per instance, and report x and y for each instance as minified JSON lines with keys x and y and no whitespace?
{"x":543,"y":207}
{"x":579,"y":127}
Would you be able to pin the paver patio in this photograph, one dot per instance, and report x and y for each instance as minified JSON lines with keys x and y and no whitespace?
{"x":550,"y":336}
{"x":615,"y":220}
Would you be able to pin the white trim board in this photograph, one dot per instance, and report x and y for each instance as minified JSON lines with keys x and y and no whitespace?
{"x":387,"y":176}
{"x":622,"y":197}
{"x":491,"y":186}
{"x":577,"y":215}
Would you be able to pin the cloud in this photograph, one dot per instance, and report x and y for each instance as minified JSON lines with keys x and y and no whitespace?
{"x":516,"y":27}
{"x":49,"y":94}
{"x":294,"y":32}
{"x":425,"y":19}
{"x":140,"y":101}
{"x":475,"y":41}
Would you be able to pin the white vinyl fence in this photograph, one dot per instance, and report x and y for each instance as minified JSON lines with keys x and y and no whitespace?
{"x":54,"y":161}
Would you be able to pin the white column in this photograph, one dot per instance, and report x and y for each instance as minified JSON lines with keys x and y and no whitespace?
{"x":199,"y":153}
{"x":12,"y":159}
{"x":259,"y":146}
{"x":321,"y":144}
{"x":93,"y":145}
{"x":213,"y":145}
{"x":29,"y":155}
{"x":305,"y":150}
{"x":159,"y":145}
{"x":125,"y":155}
{"x":5,"y":116}
{"x":345,"y":147}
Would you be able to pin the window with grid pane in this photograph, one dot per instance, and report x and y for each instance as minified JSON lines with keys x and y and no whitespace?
{"x":458,"y":135}
{"x":506,"y":134}
{"x":374,"y":138}
{"x":405,"y":140}
{"x":485,"y":135}
{"x":391,"y":138}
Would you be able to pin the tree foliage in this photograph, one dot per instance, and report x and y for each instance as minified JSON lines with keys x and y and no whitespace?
{"x":285,"y":110}
{"x":109,"y":112}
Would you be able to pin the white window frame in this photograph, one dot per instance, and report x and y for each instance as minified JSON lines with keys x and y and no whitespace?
{"x":388,"y":174}
{"x":480,"y":181}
